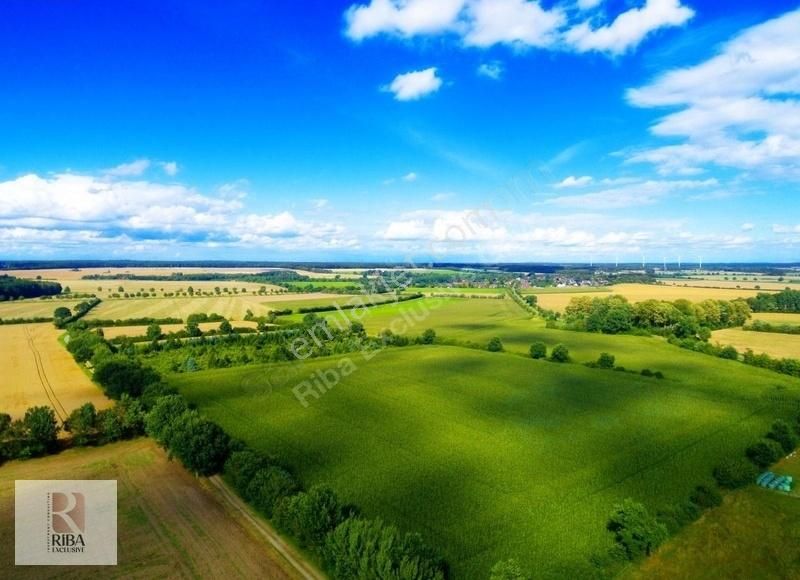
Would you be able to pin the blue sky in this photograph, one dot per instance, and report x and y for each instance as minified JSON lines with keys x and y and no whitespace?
{"x":510,"y":130}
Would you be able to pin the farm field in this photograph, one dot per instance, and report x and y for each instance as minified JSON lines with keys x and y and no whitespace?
{"x":140,"y":330}
{"x":231,"y":307}
{"x":749,"y":284}
{"x":302,"y":284}
{"x":453,"y":442}
{"x":456,"y":290}
{"x":777,"y":317}
{"x":33,"y":308}
{"x":755,"y":529}
{"x":772,"y":343}
{"x":38,"y":370}
{"x":640,"y":292}
{"x":179,"y":528}
{"x":102,"y":288}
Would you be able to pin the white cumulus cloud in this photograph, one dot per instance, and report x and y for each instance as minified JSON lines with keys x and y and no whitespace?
{"x":414,"y":85}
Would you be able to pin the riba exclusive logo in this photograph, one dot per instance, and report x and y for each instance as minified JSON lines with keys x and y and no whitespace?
{"x":63,"y":522}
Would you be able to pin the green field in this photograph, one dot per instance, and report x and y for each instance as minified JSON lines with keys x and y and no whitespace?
{"x":456,"y":290}
{"x":754,"y":534}
{"x":494,"y":455}
{"x":324,"y":283}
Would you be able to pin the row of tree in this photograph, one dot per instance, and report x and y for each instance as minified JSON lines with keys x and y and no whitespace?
{"x":783,"y":301}
{"x":785,"y":366}
{"x":681,"y":318}
{"x":13,"y":288}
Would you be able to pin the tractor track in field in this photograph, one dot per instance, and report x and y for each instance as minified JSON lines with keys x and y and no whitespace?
{"x":55,"y":403}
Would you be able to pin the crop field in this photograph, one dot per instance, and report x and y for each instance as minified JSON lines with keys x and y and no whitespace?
{"x":749,"y":284}
{"x":777,"y":317}
{"x":754,"y":529}
{"x":38,"y":370}
{"x":639,"y":292}
{"x":116,"y":331}
{"x":231,"y":307}
{"x":301,"y":284}
{"x":104,"y":288}
{"x":772,"y":343}
{"x":32,"y":308}
{"x":492,"y":455}
{"x":456,"y":290}
{"x":178,"y":528}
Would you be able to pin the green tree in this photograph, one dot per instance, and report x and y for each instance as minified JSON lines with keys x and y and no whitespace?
{"x":606,"y":361}
{"x":154,"y":332}
{"x":765,"y":452}
{"x":735,"y":473}
{"x":41,"y":429}
{"x":310,"y":516}
{"x":560,"y":354}
{"x":268,"y":486}
{"x":783,"y":433}
{"x":225,"y":327}
{"x":635,"y":530}
{"x":429,"y":336}
{"x":507,"y":570}
{"x":495,"y":344}
{"x":82,"y":423}
{"x":159,"y":419}
{"x":193,"y":328}
{"x":61,"y":313}
{"x":119,"y":375}
{"x":729,"y":352}
{"x":538,"y":350}
{"x":202,"y":446}
{"x":242,"y":465}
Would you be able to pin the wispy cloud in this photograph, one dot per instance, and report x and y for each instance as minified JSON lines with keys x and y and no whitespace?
{"x":573,"y":181}
{"x":491,"y":70}
{"x":132,"y":169}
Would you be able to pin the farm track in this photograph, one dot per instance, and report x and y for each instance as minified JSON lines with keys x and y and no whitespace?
{"x":303,"y":568}
{"x":55,"y":403}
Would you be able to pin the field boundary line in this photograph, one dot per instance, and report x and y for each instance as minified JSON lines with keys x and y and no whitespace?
{"x":305,"y":569}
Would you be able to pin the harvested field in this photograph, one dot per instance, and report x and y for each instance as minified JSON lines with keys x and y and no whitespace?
{"x":179,"y":528}
{"x":750,"y":284}
{"x":115,"y":331}
{"x":777,"y":317}
{"x":33,"y":308}
{"x":38,"y":370}
{"x":772,"y":343}
{"x":640,"y":292}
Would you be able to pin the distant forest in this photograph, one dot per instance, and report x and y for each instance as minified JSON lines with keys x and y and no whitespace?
{"x":12,"y":288}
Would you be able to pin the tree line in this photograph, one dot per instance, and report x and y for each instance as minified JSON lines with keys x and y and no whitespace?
{"x":13,"y":288}
{"x":783,"y":301}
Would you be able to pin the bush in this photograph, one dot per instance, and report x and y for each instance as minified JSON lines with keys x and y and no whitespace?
{"x":495,"y":345}
{"x":560,"y":354}
{"x":268,"y":486}
{"x":677,"y":516}
{"x":729,"y":353}
{"x":606,"y":361}
{"x":241,"y":466}
{"x":659,"y":375}
{"x":429,"y":336}
{"x":538,"y":350}
{"x":635,"y":529}
{"x":507,"y":570}
{"x":784,"y":435}
{"x":735,"y":473}
{"x":765,"y":452}
{"x":82,"y":424}
{"x":647,"y":373}
{"x":706,"y":497}
{"x":40,"y":432}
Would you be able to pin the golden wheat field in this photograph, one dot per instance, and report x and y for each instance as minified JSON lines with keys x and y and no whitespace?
{"x":749,"y":284}
{"x":32,"y":308}
{"x":231,"y":307}
{"x":110,"y":332}
{"x":641,"y":292}
{"x":38,"y":370}
{"x":771,"y":343}
{"x":777,"y":317}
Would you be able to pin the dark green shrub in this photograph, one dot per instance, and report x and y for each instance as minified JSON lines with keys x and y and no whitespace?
{"x":706,"y":497}
{"x":765,"y":452}
{"x":606,"y":361}
{"x":635,"y":529}
{"x":735,"y":473}
{"x":560,"y":354}
{"x":495,"y":345}
{"x":538,"y":350}
{"x":783,"y":433}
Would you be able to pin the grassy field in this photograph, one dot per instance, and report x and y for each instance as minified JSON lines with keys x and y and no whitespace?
{"x":754,"y":534}
{"x":639,"y":292}
{"x":492,"y":455}
{"x":231,"y":307}
{"x":38,"y":370}
{"x":772,"y":343}
{"x":32,"y":308}
{"x":325,"y":284}
{"x":170,"y":524}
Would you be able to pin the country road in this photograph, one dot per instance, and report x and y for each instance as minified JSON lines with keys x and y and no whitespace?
{"x":305,"y":570}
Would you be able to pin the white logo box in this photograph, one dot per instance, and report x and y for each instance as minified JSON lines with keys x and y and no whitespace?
{"x":65,"y":522}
